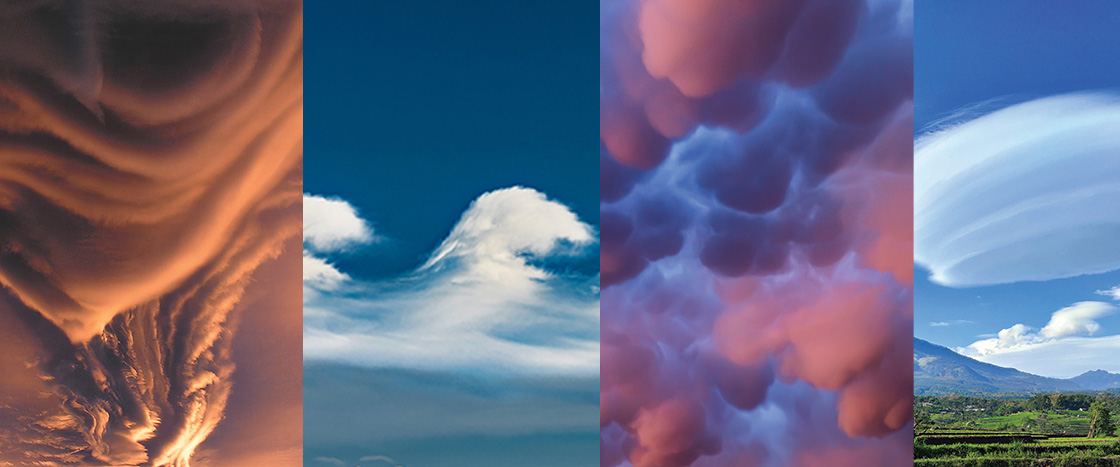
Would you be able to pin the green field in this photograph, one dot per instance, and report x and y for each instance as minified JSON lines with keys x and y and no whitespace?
{"x":1040,"y":431}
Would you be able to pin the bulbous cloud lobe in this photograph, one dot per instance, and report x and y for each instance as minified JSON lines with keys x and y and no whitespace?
{"x":150,"y":163}
{"x":755,"y":180}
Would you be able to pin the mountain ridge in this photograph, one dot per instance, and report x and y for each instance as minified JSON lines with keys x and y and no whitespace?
{"x":939,"y":370}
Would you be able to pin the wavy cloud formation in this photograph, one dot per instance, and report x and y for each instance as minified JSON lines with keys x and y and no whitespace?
{"x":997,"y":195}
{"x":484,"y":301}
{"x":150,"y":164}
{"x":755,"y":192}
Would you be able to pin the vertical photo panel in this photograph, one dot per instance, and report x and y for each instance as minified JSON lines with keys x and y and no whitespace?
{"x":150,"y":216}
{"x":1016,"y":196}
{"x":451,"y":289}
{"x":755,"y":195}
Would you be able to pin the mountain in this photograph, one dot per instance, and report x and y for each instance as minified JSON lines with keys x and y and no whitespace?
{"x":941,"y":371}
{"x":1097,"y":380}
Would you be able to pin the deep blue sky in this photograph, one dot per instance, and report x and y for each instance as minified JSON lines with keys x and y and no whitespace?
{"x":414,"y":108}
{"x":969,"y":51}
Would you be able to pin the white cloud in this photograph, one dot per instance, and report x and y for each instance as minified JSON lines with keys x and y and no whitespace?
{"x":1024,"y":193}
{"x":1062,"y":358}
{"x":954,"y":322}
{"x":1009,"y":338}
{"x":332,"y":224}
{"x":1113,"y":293}
{"x":501,"y":225}
{"x":1068,"y":333}
{"x":1078,"y":319}
{"x":380,"y":459}
{"x":480,"y":303}
{"x":320,"y":274}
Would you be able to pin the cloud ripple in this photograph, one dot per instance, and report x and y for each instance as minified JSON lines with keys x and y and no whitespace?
{"x":1024,"y":193}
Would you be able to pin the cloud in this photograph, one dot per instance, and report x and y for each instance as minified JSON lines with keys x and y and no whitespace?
{"x":319,"y":274}
{"x":997,"y":195}
{"x":380,"y":459}
{"x":756,"y":206}
{"x":1070,"y":325}
{"x":332,"y":224}
{"x":1113,"y":293}
{"x":483,"y":301}
{"x":1077,"y":320}
{"x":1061,"y":358}
{"x":150,"y":172}
{"x":954,"y":322}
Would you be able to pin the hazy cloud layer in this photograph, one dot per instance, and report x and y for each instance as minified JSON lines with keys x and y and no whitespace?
{"x":143,"y":184}
{"x":755,"y":184}
{"x":1027,"y":192}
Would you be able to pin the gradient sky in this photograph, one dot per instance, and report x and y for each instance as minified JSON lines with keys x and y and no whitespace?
{"x":421,"y":109}
{"x":973,"y":58}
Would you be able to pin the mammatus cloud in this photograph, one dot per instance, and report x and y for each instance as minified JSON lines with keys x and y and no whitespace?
{"x":1073,"y":324}
{"x":481,"y":302}
{"x":150,"y":163}
{"x":755,"y":162}
{"x":998,"y":195}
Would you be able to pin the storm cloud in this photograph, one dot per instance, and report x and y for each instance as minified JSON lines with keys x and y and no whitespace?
{"x":150,"y":168}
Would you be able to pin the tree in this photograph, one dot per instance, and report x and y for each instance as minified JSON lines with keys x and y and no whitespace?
{"x":1101,"y":425}
{"x":923,"y":422}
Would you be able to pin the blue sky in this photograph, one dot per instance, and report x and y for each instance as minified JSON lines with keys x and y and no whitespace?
{"x":1038,"y":77}
{"x":451,"y":239}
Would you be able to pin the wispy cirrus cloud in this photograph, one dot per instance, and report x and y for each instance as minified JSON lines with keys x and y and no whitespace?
{"x":954,"y":322}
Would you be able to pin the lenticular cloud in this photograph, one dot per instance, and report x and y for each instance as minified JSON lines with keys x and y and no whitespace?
{"x":756,"y":264}
{"x":996,"y":196}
